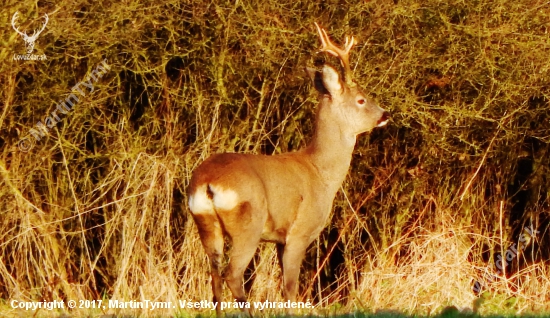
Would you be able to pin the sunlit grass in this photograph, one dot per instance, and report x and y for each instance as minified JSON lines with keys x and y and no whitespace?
{"x":97,"y":208}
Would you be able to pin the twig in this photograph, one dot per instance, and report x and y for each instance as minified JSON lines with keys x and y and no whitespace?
{"x":479,"y":167}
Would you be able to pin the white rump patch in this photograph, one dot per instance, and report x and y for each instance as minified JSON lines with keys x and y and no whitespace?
{"x":224,"y":199}
{"x":200,"y":203}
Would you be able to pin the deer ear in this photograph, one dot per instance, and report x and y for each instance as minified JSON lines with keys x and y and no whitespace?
{"x":331,"y":80}
{"x":326,"y":81}
{"x":317,"y":79}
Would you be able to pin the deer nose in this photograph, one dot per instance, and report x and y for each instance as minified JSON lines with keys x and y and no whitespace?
{"x":384,"y":119}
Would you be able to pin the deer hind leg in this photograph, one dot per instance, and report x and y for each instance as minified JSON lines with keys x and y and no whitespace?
{"x":245,"y":229}
{"x":211,"y":235}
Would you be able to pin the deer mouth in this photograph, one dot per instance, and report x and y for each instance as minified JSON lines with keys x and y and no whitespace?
{"x":383,"y":120}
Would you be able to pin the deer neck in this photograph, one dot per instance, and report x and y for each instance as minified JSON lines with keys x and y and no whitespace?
{"x":331,"y":147}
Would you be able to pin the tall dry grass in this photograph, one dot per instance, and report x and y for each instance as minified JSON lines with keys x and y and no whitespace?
{"x":96,"y":210}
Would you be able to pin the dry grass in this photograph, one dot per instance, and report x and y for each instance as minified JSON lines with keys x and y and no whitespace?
{"x":96,"y":210}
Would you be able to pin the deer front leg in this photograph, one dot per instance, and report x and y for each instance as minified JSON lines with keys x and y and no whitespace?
{"x":293,"y":254}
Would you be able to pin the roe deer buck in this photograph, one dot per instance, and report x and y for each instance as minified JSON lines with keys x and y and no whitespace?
{"x":285,"y":198}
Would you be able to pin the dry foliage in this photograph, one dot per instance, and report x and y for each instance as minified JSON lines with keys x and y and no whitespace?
{"x":97,"y":208}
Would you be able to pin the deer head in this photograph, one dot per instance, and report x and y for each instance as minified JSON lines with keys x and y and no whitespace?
{"x":29,"y":40}
{"x":344,"y":105}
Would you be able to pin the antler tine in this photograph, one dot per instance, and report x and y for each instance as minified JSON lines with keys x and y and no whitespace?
{"x":13,"y":20}
{"x":36,"y":33}
{"x":343,"y":54}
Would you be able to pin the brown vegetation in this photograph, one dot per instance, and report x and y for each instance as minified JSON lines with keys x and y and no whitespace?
{"x":97,"y":208}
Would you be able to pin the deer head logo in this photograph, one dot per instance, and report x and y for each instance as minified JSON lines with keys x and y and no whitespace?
{"x":29,"y":40}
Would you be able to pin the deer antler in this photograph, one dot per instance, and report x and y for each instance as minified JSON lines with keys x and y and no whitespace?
{"x":35,"y":34}
{"x":342,"y":54}
{"x":13,"y":20}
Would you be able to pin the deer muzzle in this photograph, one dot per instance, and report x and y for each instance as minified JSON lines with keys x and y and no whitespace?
{"x":384,"y":119}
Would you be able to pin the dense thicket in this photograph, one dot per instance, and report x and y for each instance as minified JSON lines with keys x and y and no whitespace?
{"x":97,"y":207}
